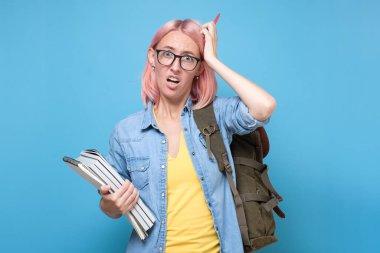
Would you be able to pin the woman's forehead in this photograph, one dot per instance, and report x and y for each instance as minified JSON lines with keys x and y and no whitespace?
{"x":179,"y":42}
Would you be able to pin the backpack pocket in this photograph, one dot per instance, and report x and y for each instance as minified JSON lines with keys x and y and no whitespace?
{"x":260,"y":222}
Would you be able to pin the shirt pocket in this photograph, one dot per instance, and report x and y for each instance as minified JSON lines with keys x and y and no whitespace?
{"x":138,"y":168}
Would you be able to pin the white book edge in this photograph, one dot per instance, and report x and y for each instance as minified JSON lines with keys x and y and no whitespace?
{"x":111,"y":173}
{"x":84,"y":172}
{"x":146,"y":210}
{"x":92,"y":164}
{"x":144,"y":221}
{"x":140,"y":232}
{"x":106,"y":164}
{"x":143,"y":210}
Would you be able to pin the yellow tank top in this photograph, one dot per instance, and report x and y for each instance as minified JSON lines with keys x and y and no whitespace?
{"x":190,"y":226}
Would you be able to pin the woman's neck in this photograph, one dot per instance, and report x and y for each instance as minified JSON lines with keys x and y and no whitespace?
{"x":169,"y":110}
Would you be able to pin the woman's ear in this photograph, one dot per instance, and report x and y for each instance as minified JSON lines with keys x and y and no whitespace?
{"x":151,"y":53}
{"x":200,"y":69}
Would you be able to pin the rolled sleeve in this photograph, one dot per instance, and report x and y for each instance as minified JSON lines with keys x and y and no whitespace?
{"x":115,"y":156}
{"x":251,"y":122}
{"x":234,"y":114}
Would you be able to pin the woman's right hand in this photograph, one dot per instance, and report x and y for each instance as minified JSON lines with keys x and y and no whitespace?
{"x":120,"y":202}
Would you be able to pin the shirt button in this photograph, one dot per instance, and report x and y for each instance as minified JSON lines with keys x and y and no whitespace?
{"x":202,"y":178}
{"x":163,"y":141}
{"x":160,"y":249}
{"x":193,"y":153}
{"x":162,"y":222}
{"x":163,"y":194}
{"x":162,"y":166}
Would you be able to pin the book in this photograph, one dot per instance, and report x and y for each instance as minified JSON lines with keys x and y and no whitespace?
{"x":95,"y":169}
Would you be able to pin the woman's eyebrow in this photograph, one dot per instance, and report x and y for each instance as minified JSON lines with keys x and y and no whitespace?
{"x":183,"y":52}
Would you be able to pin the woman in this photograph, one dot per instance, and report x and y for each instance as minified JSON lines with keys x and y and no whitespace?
{"x":161,"y":151}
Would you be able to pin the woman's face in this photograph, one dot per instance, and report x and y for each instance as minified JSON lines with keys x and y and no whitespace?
{"x":174,"y":82}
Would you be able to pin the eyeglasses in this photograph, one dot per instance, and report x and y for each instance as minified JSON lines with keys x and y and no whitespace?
{"x":167,"y":58}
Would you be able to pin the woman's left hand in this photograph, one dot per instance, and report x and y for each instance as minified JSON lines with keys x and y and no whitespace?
{"x":211,"y":39}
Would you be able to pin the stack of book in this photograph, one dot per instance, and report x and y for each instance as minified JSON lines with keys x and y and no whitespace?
{"x":93,"y":167}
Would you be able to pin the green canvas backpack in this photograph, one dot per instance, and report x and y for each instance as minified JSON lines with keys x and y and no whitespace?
{"x":254,"y":195}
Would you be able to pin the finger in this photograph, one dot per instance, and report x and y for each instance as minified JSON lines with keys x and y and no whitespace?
{"x":127,"y":200}
{"x":205,"y":30}
{"x":105,"y":190}
{"x":207,"y":24}
{"x":207,"y":35}
{"x":125,"y":197}
{"x":129,"y":203}
{"x":211,"y":27}
{"x":122,"y":189}
{"x":133,"y":203}
{"x":206,"y":27}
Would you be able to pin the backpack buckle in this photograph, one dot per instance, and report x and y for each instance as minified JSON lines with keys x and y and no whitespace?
{"x":226,"y":164}
{"x":228,"y":168}
{"x":209,"y":130}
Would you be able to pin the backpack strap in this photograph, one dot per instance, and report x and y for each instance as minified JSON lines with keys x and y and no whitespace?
{"x":208,"y":126}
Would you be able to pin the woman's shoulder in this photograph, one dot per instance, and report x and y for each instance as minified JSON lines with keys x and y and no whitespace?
{"x":129,"y":126}
{"x":224,"y":99}
{"x":221,"y":102}
{"x":134,"y":118}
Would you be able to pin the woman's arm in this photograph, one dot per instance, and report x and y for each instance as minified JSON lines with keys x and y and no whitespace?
{"x":259,"y":102}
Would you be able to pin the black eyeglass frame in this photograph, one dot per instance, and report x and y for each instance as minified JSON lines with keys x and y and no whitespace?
{"x":178,"y":56}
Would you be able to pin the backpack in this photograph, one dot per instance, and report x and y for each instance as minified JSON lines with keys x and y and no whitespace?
{"x":254,"y":195}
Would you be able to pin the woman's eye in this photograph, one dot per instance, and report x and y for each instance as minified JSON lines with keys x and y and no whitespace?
{"x":168,"y":54}
{"x":188,"y":58}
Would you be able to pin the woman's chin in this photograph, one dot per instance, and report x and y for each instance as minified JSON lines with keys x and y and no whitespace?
{"x":172,"y":90}
{"x":172,"y":86}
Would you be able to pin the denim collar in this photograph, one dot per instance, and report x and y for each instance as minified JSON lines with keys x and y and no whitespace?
{"x":149,"y":120}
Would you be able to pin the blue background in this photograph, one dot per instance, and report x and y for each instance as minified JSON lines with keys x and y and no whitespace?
{"x":69,"y":70}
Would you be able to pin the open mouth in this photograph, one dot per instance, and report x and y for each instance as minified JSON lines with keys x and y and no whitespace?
{"x":172,"y":80}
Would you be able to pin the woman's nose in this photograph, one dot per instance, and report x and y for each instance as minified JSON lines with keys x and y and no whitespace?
{"x":176,"y":65}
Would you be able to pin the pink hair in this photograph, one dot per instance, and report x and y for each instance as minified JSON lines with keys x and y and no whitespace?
{"x":203,"y":90}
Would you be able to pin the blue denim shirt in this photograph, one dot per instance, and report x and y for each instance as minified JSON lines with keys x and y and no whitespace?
{"x":138,"y":151}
